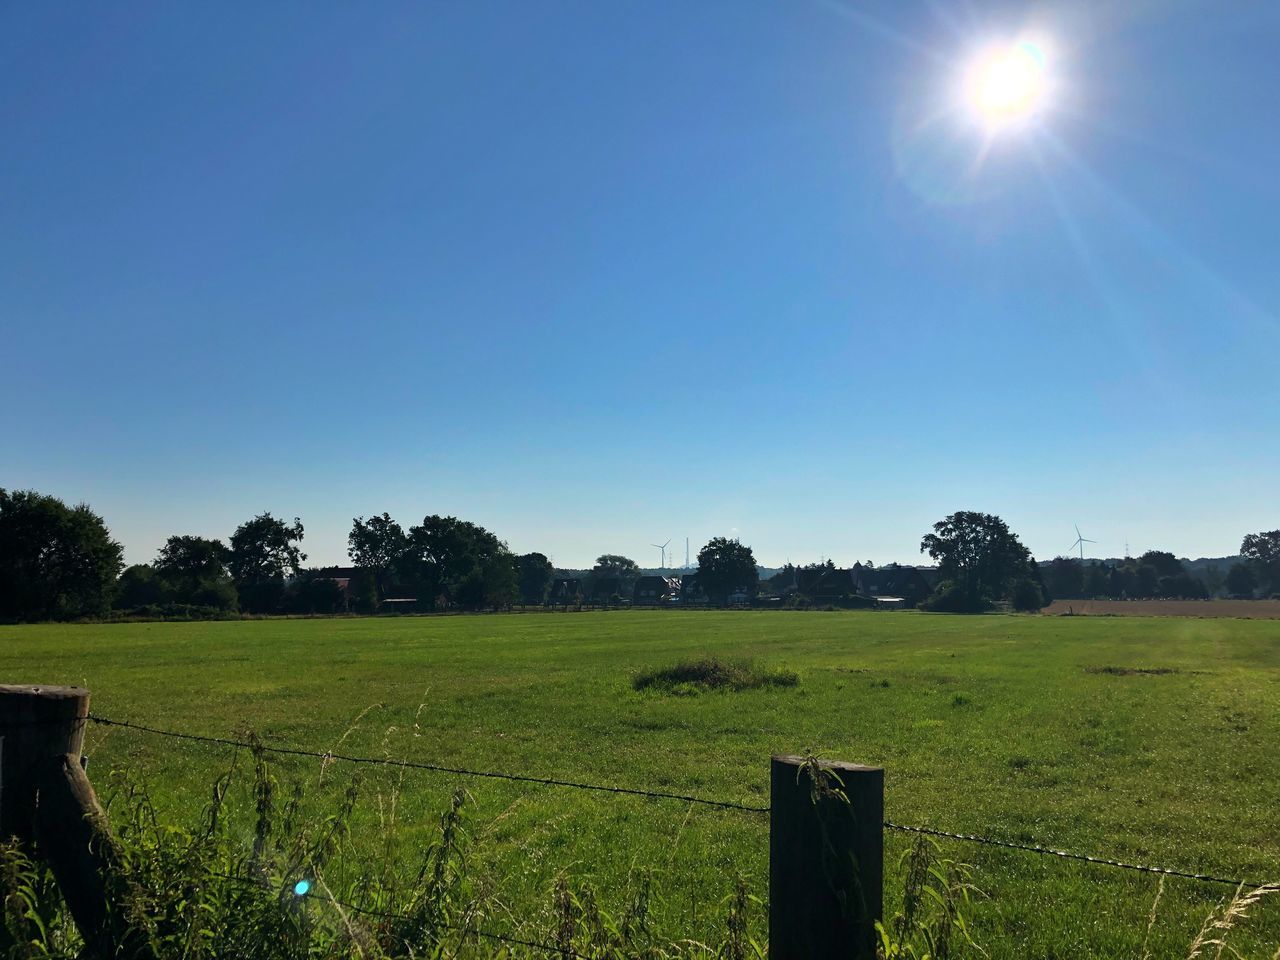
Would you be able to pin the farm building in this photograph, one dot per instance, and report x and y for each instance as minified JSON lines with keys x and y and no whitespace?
{"x":894,"y":580}
{"x":655,"y":589}
{"x":603,"y":588}
{"x":564,"y":591}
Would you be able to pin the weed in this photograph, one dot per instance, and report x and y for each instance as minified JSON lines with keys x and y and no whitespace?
{"x":225,"y":889}
{"x":711,"y":673}
{"x":936,"y":895}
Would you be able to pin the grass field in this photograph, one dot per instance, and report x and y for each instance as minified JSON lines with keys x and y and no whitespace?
{"x":1148,"y":739}
{"x":1247,"y":609}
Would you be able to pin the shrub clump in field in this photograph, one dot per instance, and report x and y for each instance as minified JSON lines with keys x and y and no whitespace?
{"x":711,"y":673}
{"x":1133,"y":671}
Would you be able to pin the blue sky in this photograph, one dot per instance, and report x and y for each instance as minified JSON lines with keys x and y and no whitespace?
{"x":594,"y":275}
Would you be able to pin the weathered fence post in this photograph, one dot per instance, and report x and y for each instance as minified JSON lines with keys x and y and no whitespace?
{"x":46,"y":799}
{"x":826,"y":859}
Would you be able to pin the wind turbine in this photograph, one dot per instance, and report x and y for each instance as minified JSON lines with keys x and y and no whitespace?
{"x":1080,"y":542}
{"x":662,"y":547}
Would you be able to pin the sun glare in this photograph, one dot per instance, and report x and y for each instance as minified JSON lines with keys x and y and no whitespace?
{"x":1007,"y":84}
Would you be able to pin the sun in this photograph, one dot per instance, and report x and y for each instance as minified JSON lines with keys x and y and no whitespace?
{"x":1007,"y":84}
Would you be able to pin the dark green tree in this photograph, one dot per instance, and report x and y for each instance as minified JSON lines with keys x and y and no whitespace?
{"x":194,"y":571}
{"x":56,"y":562}
{"x":536,"y":574}
{"x":264,"y":552}
{"x":1097,"y":580}
{"x":1165,"y":563}
{"x":456,"y":561}
{"x":624,"y":569}
{"x":1146,"y":581}
{"x":1182,"y":586}
{"x":1241,"y":582}
{"x":979,"y":559}
{"x":1027,"y":595}
{"x":315,"y":591}
{"x":377,"y":545}
{"x":726,"y":566}
{"x":1262,"y":552}
{"x":1064,"y":578}
{"x":139,"y":586}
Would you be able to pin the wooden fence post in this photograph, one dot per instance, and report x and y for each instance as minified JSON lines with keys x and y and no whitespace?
{"x":46,"y":799}
{"x":826,"y":859}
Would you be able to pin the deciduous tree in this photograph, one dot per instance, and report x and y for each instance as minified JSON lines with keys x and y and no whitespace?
{"x":725,"y":566}
{"x":264,"y":551}
{"x":536,"y":574}
{"x":979,"y":558}
{"x":1262,"y":551}
{"x":56,"y":562}
{"x":1241,"y":582}
{"x":377,"y":545}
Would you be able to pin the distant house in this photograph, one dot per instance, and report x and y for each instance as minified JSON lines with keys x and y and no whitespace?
{"x":564,"y":591}
{"x":604,"y":588}
{"x":342,"y":576}
{"x":907,"y":584}
{"x":655,"y":589}
{"x":826,"y":584}
{"x":690,"y":590}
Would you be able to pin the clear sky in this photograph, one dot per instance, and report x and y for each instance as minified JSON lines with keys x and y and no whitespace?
{"x":595,"y":275}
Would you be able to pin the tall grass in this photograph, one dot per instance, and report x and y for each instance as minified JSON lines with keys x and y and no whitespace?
{"x":285,"y":885}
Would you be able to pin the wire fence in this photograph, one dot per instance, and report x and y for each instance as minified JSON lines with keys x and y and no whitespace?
{"x":329,"y":756}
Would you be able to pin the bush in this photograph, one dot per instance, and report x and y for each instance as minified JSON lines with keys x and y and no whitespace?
{"x":1027,"y":596}
{"x":949,"y":597}
{"x":710,"y":673}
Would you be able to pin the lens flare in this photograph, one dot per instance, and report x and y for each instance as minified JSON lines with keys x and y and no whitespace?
{"x":302,"y":888}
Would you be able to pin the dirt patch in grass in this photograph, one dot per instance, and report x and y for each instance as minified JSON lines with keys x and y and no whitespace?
{"x":1247,"y":609}
{"x":710,"y":673}
{"x":1132,"y":671}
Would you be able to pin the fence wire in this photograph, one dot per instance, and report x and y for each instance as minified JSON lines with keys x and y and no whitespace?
{"x":435,"y":767}
{"x":661,"y":795}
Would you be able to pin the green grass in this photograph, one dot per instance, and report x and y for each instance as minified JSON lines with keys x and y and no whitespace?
{"x":1155,"y":740}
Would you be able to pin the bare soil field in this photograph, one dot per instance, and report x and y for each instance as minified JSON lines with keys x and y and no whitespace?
{"x":1247,"y":609}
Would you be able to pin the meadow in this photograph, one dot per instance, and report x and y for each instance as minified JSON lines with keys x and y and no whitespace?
{"x":1152,"y":740}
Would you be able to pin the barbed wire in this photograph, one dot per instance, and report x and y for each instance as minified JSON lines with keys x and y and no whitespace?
{"x":1102,"y":861}
{"x":422,"y":765}
{"x":661,"y":795}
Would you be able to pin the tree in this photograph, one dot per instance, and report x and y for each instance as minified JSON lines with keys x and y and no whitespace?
{"x":1241,"y":581}
{"x":1097,"y":580}
{"x":194,"y":571}
{"x":315,"y":591}
{"x":725,"y":566}
{"x":1165,"y":563}
{"x":1026,"y":595}
{"x":264,"y":551}
{"x":624,"y":569}
{"x":56,"y":562}
{"x":1064,"y":578}
{"x":978,"y":557}
{"x":459,"y":562}
{"x":1183,"y":586}
{"x":1146,"y":581}
{"x":377,"y":545}
{"x":536,"y":574}
{"x":139,"y":586}
{"x":1262,"y":552}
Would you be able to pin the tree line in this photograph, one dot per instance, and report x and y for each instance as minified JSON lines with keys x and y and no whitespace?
{"x":59,"y":562}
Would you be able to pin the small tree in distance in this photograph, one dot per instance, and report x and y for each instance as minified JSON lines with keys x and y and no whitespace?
{"x":1262,"y":552}
{"x":724,"y":566}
